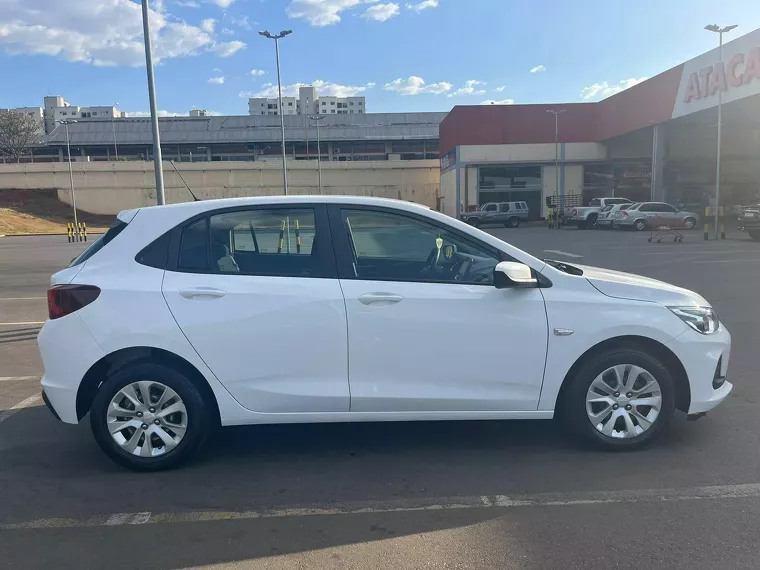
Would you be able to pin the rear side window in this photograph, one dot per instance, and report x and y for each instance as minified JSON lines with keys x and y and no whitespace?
{"x":504,"y":207}
{"x":193,"y":248}
{"x":117,"y":227}
{"x":155,"y":254}
{"x":595,"y":202}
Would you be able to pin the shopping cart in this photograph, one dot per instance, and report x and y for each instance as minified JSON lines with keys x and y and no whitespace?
{"x":661,"y":230}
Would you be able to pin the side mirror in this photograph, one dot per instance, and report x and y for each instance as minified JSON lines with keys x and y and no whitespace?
{"x":510,"y":274}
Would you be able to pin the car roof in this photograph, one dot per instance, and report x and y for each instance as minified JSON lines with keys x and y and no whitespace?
{"x":188,"y":209}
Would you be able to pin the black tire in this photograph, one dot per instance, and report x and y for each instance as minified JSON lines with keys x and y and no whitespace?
{"x":512,"y":222}
{"x":689,"y":223}
{"x":754,"y":234}
{"x":473,"y":222}
{"x":639,"y":225}
{"x":592,"y":220}
{"x":574,"y":401}
{"x":198,"y":416}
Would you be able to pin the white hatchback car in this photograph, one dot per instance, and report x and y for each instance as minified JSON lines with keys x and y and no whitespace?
{"x":341,"y":309}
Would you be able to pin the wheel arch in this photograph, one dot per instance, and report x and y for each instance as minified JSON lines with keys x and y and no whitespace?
{"x":656,"y":348}
{"x":119,"y":359}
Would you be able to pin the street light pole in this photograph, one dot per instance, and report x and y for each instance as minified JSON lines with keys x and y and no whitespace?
{"x":71,"y":175}
{"x":113,"y":127}
{"x":277,"y":39}
{"x":157,"y":159}
{"x":319,"y":151}
{"x":720,"y":31}
{"x":556,"y":113}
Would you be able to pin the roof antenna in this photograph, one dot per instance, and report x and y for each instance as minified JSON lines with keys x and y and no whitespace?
{"x":195,"y":198}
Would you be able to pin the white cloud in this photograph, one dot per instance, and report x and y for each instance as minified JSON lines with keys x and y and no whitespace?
{"x":223,"y":3}
{"x":502,"y":102}
{"x":322,"y":12}
{"x":537,"y":69}
{"x":423,"y":5}
{"x":208,"y":25}
{"x":242,"y":22}
{"x":218,"y":80}
{"x":100,"y":32}
{"x":269,"y":90}
{"x":416,"y":86}
{"x":381,"y":12}
{"x":257,"y":72}
{"x":226,"y":49}
{"x":501,"y":88}
{"x":187,"y":4}
{"x":471,"y":87}
{"x":139,"y":114}
{"x":228,"y":32}
{"x":604,"y":89}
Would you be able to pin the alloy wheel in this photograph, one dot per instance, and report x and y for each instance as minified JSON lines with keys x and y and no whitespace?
{"x":624,"y":401}
{"x":147,"y":418}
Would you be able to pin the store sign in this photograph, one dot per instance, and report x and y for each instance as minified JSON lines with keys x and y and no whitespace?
{"x":735,"y":76}
{"x":448,"y":160}
{"x":740,"y":70}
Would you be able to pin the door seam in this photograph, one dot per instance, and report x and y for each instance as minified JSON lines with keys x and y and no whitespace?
{"x":348,"y":346}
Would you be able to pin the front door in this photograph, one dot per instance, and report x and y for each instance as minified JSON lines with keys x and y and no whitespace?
{"x":427,"y":329}
{"x":256,"y":293}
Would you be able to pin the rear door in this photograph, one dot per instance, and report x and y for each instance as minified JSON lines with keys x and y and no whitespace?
{"x":255,"y":291}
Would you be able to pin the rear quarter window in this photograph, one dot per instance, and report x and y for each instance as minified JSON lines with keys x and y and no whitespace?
{"x":117,"y":227}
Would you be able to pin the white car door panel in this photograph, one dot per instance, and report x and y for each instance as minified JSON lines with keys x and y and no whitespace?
{"x":444,"y":347}
{"x":277,"y":343}
{"x":427,"y":329}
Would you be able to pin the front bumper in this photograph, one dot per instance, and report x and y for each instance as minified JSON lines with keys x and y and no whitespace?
{"x":704,"y":357}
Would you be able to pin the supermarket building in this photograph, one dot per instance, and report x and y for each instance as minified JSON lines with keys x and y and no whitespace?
{"x":654,"y":141}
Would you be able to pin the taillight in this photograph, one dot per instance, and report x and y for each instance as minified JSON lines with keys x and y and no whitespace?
{"x":575,"y":211}
{"x":625,"y":213}
{"x":65,"y":299}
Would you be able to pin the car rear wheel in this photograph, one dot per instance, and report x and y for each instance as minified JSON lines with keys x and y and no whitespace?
{"x":755,"y":234}
{"x":620,"y":400}
{"x":148,"y":417}
{"x":639,"y":225}
{"x":512,"y":222}
{"x":689,"y":223}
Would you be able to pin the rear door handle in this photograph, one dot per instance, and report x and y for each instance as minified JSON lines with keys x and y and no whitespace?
{"x":379,"y":298}
{"x":202,"y":293}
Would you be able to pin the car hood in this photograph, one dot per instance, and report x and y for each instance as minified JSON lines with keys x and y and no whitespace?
{"x":628,"y":286}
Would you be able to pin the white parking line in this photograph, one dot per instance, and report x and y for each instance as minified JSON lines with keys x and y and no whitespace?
{"x":400,"y":506}
{"x":22,"y":323}
{"x":558,"y":252}
{"x":17,"y":378}
{"x":22,"y":298}
{"x":31,"y":400}
{"x":711,"y":261}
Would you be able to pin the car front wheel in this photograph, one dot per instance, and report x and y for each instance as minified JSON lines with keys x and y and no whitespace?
{"x":149,"y":417}
{"x":473,"y":222}
{"x":620,"y":400}
{"x":689,"y":223}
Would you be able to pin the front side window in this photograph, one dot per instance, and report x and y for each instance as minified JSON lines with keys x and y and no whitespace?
{"x":647,"y":208}
{"x":489,"y":208}
{"x":393,"y":247}
{"x":265,"y":242}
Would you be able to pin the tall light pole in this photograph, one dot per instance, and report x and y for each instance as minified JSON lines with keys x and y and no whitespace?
{"x":556,"y":113}
{"x":113,"y":127}
{"x":277,"y":39}
{"x":66,"y":124}
{"x":720,"y":31}
{"x":157,"y":160}
{"x":316,"y":119}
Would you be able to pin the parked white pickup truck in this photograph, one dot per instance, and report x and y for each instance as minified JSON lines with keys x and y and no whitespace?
{"x":585,"y":216}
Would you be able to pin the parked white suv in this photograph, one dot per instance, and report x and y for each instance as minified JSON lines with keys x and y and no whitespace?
{"x":338,"y":309}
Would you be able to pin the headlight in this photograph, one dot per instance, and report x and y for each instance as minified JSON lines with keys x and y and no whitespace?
{"x":702,"y":319}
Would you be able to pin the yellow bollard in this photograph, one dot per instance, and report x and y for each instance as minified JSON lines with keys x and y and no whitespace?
{"x":722,"y":223}
{"x":282,"y":234}
{"x":84,"y":230}
{"x":707,"y":223}
{"x":298,"y":237}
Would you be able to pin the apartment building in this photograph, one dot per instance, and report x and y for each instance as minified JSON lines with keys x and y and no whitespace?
{"x":307,"y":103}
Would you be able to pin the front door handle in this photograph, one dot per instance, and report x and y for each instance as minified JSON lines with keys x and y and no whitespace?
{"x":379,"y":298}
{"x":202,"y":293}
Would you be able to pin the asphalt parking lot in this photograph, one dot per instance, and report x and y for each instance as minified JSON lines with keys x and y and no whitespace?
{"x":439,"y":495}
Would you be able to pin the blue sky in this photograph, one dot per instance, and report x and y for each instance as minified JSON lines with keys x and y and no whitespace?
{"x":420,"y":55}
